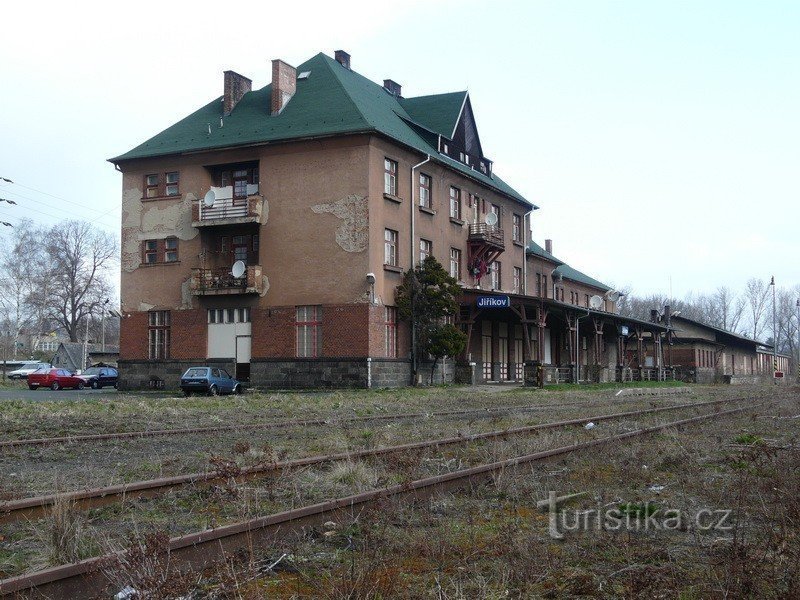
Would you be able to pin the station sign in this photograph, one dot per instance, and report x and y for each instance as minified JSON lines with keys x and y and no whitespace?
{"x":493,"y":302}
{"x":778,"y":374}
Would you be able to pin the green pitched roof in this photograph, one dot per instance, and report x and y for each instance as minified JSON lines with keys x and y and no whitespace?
{"x":563,"y":268}
{"x":438,"y":112}
{"x":568,"y":272}
{"x":333,"y":100}
{"x":537,"y":250}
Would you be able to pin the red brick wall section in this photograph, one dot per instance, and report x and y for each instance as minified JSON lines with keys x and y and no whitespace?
{"x":133,"y":336}
{"x":345,"y":331}
{"x":189,"y":334}
{"x":274,"y":332}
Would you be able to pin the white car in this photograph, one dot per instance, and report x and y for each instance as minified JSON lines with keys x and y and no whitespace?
{"x":27,"y":369}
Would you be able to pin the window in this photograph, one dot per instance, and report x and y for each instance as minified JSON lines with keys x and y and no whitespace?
{"x":516,"y":229}
{"x":425,"y":249}
{"x":496,"y":210}
{"x":243,"y":315}
{"x":517,"y":280}
{"x":455,"y":203}
{"x":239,"y":177}
{"x":390,"y":177}
{"x":572,"y":297}
{"x":538,"y":284}
{"x":151,"y":185}
{"x":586,"y":300}
{"x":455,"y":263}
{"x":390,"y":247}
{"x":494,"y":271}
{"x":544,"y":286}
{"x":158,"y":334}
{"x":391,"y":331}
{"x":150,"y":251}
{"x":171,"y":249}
{"x":425,"y":182}
{"x":229,"y":315}
{"x":309,"y":331}
{"x":172,"y":184}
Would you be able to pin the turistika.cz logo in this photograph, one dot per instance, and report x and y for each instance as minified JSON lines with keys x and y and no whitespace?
{"x":646,"y":516}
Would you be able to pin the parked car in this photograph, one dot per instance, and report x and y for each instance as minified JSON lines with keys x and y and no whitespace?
{"x":210,"y":380}
{"x":27,"y":369}
{"x":55,"y":379}
{"x":99,"y":377}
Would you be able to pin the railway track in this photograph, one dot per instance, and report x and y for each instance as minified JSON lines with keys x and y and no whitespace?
{"x":201,"y":550}
{"x":98,"y":437}
{"x":37,"y":506}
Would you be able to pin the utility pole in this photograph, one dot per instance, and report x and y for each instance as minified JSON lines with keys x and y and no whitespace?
{"x":797,"y":360}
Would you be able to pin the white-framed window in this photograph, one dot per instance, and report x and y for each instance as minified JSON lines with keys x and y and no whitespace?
{"x":494,"y":271}
{"x":389,"y":176}
{"x":455,"y":263}
{"x":425,"y":186}
{"x":308,"y":322}
{"x":391,"y":331}
{"x":455,"y":203}
{"x":517,"y":280}
{"x":390,"y":247}
{"x":516,"y":229}
{"x":158,"y":334}
{"x":425,"y":249}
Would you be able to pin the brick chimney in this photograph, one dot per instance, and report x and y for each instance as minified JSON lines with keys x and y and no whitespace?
{"x":343,"y":58}
{"x":548,"y":246}
{"x":392,"y":87}
{"x":236,"y":86}
{"x":284,"y":83}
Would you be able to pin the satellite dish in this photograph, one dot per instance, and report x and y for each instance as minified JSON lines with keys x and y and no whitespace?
{"x":596,"y":302}
{"x":613,"y":295}
{"x":209,"y":199}
{"x":491,"y":219}
{"x":238,"y":269}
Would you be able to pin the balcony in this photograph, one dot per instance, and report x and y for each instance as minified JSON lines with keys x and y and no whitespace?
{"x":220,"y":282}
{"x":490,"y":235}
{"x":227,"y":210}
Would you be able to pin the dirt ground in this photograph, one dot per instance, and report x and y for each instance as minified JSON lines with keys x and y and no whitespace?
{"x":486,"y":541}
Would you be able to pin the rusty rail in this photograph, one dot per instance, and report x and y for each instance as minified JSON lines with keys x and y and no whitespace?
{"x":37,"y":506}
{"x":85,"y":579}
{"x":96,"y":437}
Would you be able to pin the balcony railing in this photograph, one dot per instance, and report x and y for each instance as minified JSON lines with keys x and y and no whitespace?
{"x":219,"y":281}
{"x":491,"y":234}
{"x":228,"y":210}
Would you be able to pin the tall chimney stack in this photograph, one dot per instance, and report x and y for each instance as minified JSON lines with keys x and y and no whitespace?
{"x":284,"y":84}
{"x":548,"y":246}
{"x":343,"y":58}
{"x":235,"y":87}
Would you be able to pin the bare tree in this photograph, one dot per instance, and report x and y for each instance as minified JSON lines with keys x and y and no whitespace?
{"x":79,"y":258}
{"x":755,"y":294}
{"x":20,"y":269}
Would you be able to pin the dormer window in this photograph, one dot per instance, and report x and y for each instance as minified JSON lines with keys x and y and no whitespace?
{"x":241,"y":181}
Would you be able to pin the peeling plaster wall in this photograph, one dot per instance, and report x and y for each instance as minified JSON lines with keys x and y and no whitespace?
{"x":352,"y":234}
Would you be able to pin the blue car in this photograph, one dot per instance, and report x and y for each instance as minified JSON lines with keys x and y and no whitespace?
{"x":209,"y":380}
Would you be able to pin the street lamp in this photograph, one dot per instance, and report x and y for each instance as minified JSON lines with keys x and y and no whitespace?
{"x":774,"y":333}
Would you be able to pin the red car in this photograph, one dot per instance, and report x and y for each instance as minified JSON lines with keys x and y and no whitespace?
{"x":55,"y":379}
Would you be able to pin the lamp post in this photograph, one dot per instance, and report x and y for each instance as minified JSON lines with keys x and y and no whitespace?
{"x":103,"y":327}
{"x":797,"y":360}
{"x":774,"y":334}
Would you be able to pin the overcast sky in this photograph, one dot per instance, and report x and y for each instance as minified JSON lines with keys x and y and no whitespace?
{"x":659,"y":139}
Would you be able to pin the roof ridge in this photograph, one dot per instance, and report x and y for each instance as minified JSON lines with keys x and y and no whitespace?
{"x":329,"y":63}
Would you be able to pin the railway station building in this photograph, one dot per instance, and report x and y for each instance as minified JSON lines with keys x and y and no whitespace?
{"x":266,"y":232}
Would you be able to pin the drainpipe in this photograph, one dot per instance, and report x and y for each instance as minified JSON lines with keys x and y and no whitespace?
{"x":413,"y":208}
